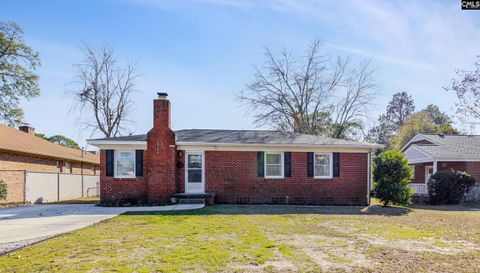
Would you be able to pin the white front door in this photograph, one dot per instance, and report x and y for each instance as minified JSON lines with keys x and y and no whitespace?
{"x":428,"y":173}
{"x":194,"y":172}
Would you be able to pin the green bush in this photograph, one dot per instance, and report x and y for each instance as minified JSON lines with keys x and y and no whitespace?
{"x":391,"y":174}
{"x":3,"y":190}
{"x":124,"y":201}
{"x":449,"y":187}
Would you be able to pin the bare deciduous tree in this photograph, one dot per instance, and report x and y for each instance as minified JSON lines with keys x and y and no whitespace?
{"x":104,"y":91}
{"x":354,"y":103}
{"x":313,"y":96}
{"x":467,"y":89}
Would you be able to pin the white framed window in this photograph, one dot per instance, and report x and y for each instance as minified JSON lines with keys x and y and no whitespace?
{"x":323,"y":165}
{"x":273,"y":165}
{"x":124,"y":166}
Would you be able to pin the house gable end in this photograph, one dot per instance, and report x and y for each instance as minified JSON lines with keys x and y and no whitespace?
{"x":415,"y":155}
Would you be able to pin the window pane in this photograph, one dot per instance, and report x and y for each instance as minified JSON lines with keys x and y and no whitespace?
{"x":274,"y":170}
{"x":125,"y":169}
{"x":322,"y":164}
{"x":322,"y":159}
{"x":125,"y":157}
{"x":274,"y":158}
{"x":322,"y":170}
{"x":194,"y":161}
{"x":125,"y":163}
{"x":195,"y":176}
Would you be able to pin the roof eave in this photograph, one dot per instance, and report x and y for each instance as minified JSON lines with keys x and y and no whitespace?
{"x":360,"y":146}
{"x":95,"y":142}
{"x":50,"y":156}
{"x":99,"y":143}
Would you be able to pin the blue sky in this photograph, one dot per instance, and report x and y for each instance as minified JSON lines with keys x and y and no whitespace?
{"x":202,"y":52}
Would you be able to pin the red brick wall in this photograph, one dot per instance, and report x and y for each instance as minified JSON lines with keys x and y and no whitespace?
{"x":159,"y":164}
{"x":21,"y":162}
{"x":161,"y":155}
{"x":15,"y":186}
{"x":473,"y":168}
{"x":233,"y":177}
{"x":111,"y":187}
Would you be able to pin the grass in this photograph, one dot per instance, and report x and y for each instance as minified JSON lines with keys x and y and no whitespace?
{"x":265,"y":239}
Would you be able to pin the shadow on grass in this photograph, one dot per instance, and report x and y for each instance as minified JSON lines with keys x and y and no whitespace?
{"x":284,"y":210}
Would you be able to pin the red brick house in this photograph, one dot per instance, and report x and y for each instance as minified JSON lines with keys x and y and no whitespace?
{"x":235,"y":166}
{"x":24,"y":156}
{"x":429,"y":153}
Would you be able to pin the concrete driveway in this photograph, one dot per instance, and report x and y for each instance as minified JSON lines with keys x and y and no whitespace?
{"x":21,"y":226}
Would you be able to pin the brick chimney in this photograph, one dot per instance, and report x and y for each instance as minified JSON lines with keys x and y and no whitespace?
{"x":27,"y":129}
{"x":161,"y":112}
{"x":161,"y":159}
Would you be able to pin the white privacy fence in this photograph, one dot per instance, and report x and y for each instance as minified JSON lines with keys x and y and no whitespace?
{"x":52,"y":187}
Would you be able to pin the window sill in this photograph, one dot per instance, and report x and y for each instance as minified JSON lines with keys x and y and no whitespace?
{"x":274,"y":177}
{"x":323,"y":177}
{"x":125,"y":177}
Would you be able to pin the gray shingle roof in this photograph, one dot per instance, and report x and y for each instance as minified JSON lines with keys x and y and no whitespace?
{"x":125,"y":138}
{"x":248,"y":137}
{"x":452,"y":146}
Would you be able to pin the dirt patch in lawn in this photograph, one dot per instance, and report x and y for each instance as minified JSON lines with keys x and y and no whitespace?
{"x":329,"y":252}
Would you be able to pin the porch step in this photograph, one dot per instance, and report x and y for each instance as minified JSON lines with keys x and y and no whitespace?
{"x":191,"y":201}
{"x":193,"y":198}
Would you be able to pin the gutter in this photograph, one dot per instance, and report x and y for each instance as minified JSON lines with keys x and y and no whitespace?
{"x":223,"y":144}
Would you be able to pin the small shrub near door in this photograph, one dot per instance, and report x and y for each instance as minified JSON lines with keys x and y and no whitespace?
{"x":449,"y":187}
{"x":3,"y":190}
{"x":392,"y":174}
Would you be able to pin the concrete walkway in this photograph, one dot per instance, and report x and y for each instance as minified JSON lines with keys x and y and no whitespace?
{"x":21,"y":226}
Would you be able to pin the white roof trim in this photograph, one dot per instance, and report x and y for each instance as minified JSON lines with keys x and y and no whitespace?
{"x":114,"y":142}
{"x":119,"y":145}
{"x":417,"y":137}
{"x":458,"y":159}
{"x":427,"y":157}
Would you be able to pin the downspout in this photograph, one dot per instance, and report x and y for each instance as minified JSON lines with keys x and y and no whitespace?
{"x":369,"y":177}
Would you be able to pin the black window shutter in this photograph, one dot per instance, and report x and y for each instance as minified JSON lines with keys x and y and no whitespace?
{"x":310,"y":164}
{"x":109,"y":167}
{"x":287,"y":157}
{"x":138,"y":162}
{"x":260,"y":164}
{"x":336,"y":164}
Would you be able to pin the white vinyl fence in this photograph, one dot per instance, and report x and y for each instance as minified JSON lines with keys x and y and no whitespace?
{"x":52,"y":187}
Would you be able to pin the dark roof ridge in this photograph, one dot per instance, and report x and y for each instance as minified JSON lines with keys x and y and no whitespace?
{"x":440,"y":134}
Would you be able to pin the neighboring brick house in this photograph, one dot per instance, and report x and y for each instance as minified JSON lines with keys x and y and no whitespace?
{"x":235,"y":166}
{"x":429,"y":153}
{"x":21,"y":151}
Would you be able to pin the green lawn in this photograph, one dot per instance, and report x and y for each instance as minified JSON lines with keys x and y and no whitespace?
{"x":266,"y":239}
